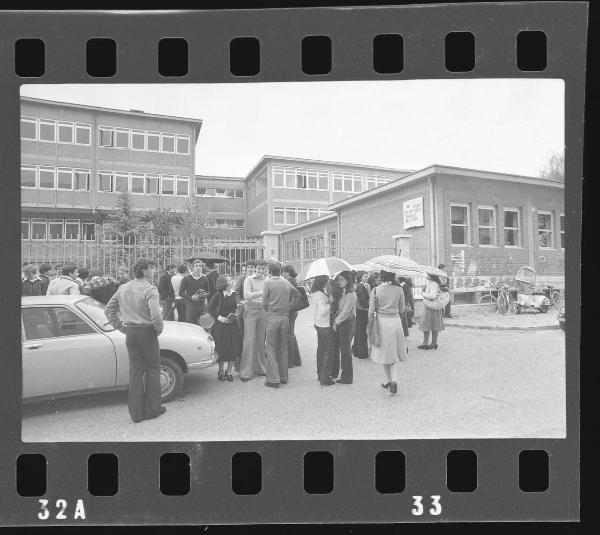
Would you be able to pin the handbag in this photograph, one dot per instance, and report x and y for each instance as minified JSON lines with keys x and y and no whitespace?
{"x":303,"y":301}
{"x":373,"y":330}
{"x":439,"y":302}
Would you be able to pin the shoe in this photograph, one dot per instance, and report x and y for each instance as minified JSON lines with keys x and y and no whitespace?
{"x":221,"y":376}
{"x":283,"y":382}
{"x":229,"y":377}
{"x":327,"y":383}
{"x":432,"y":346}
{"x":341,"y":381}
{"x":386,"y":385}
{"x":272,"y":385}
{"x":162,"y":410}
{"x":244,"y":379}
{"x":393,"y":387}
{"x":423,"y":346}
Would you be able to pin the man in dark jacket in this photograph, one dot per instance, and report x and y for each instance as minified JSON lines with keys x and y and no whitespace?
{"x":46,"y":273}
{"x":32,"y":284}
{"x":194,"y":289}
{"x":166,"y":295}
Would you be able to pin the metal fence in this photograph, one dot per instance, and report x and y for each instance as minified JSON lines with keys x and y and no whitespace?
{"x":107,"y":253}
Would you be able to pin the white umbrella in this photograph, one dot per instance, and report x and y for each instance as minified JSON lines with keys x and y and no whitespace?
{"x":324,"y":266}
{"x":400,"y":265}
{"x":430,"y":270}
{"x":362,"y":267}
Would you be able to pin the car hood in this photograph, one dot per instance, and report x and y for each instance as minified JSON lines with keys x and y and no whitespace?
{"x":180,"y":328}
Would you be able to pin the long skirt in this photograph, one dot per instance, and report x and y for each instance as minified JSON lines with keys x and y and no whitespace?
{"x":393,"y":344}
{"x":228,"y":342}
{"x":360,"y":347}
{"x":431,"y":320}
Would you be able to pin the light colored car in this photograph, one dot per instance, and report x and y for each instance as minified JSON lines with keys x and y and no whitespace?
{"x":69,"y":348}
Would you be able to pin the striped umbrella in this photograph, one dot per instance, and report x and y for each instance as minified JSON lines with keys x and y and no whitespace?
{"x":400,"y":265}
{"x":324,"y":266}
{"x":430,"y":270}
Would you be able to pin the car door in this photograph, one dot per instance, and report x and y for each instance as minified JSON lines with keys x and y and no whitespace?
{"x":63,"y":352}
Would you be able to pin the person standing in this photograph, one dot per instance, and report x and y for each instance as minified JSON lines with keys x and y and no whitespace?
{"x":278,"y":298}
{"x":122,"y":275}
{"x":322,"y":322}
{"x":46,"y":273}
{"x":344,"y":323}
{"x":32,"y":284}
{"x":253,"y":361}
{"x":445,"y":287}
{"x":401,"y":282}
{"x":176,"y":279}
{"x":410,"y":301}
{"x":387,"y":302}
{"x":65,"y":284}
{"x":247,"y":271}
{"x":360,"y":348}
{"x":166,"y":295}
{"x":99,"y":287}
{"x":142,"y":323}
{"x":194,"y":289}
{"x":432,"y":318}
{"x":289,"y":274}
{"x":335,"y":294}
{"x":212,"y":275}
{"x":82,"y":278}
{"x":228,"y":343}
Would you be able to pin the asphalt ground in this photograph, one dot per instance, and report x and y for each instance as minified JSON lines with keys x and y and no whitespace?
{"x":477,"y":384}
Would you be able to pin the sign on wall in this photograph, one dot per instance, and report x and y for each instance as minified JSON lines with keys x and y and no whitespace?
{"x":412,"y":212}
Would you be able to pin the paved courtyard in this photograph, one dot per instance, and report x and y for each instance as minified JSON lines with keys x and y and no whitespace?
{"x":478,"y":384}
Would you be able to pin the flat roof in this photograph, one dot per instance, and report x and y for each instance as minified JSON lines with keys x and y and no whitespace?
{"x":325,"y":162}
{"x":447,"y":170}
{"x":137,"y":113}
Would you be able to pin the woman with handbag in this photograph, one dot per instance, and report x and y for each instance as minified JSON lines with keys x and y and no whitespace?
{"x":433,"y":301}
{"x":386,"y":305}
{"x":321,"y":309}
{"x":289,"y":273}
{"x":228,"y":344}
{"x":343,"y":325}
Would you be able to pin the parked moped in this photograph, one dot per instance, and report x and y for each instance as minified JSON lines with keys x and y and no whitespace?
{"x":539,"y":298}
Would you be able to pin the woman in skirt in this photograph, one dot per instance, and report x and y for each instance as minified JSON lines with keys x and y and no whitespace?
{"x":387,"y":304}
{"x":228,"y":342}
{"x":432,"y":318}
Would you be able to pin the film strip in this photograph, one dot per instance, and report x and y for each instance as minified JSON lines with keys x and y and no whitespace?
{"x":417,"y":479}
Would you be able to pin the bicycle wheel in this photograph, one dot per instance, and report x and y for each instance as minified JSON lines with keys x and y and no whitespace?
{"x":502,"y":304}
{"x":555,"y":300}
{"x":488,"y":305}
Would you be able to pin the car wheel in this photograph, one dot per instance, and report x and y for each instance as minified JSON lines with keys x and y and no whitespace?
{"x":171,"y":379}
{"x":544,"y":309}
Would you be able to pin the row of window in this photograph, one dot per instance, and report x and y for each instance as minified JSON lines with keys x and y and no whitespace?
{"x":294,"y":216}
{"x":57,"y":229}
{"x":460,"y":227}
{"x":314,"y":247}
{"x":63,"y":178}
{"x":66,"y":132}
{"x":310,"y":179}
{"x":227,"y":193}
{"x":224,"y":223}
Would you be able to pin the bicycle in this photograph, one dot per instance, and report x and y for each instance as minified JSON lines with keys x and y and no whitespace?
{"x":489,"y":304}
{"x":554,"y":297}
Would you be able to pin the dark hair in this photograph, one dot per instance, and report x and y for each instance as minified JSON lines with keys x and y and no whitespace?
{"x":210,"y":264}
{"x":319,"y":283}
{"x":140,"y":265}
{"x":44,"y":268}
{"x":221,"y":283}
{"x":359,"y":275}
{"x":58,"y":267}
{"x":441,"y":266}
{"x":274,"y":269}
{"x":387,"y":276}
{"x":170,"y":266}
{"x":182,"y":268}
{"x":349,"y":280}
{"x":250,"y":263}
{"x":68,"y":269}
{"x":29,"y":268}
{"x":84,"y":273}
{"x":290,"y":271}
{"x":261,"y":263}
{"x":436,"y":279}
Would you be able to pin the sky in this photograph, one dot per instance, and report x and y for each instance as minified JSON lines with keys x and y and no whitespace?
{"x":504,"y":125}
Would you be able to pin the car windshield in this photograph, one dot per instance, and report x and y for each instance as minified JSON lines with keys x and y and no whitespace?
{"x":95,"y":311}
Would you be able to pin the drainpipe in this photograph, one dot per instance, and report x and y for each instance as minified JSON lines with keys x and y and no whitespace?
{"x":432,"y":224}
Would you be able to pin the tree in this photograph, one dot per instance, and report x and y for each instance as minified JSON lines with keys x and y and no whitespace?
{"x":162,"y":221}
{"x":194,"y":220}
{"x":554,"y":168}
{"x":124,"y":221}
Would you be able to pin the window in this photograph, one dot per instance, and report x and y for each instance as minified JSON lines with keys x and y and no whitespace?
{"x":183,"y":186}
{"x":168,"y":143}
{"x":561,"y":220}
{"x":47,"y":177}
{"x":38,"y":229}
{"x":105,"y":136}
{"x":65,"y":132}
{"x":312,"y":181}
{"x":306,"y":248}
{"x":121,"y":182}
{"x":313,"y":213}
{"x":544,"y":225}
{"x":65,"y":178}
{"x":121,"y":138}
{"x":220,"y":192}
{"x":138,"y":140}
{"x":323,"y":180}
{"x":238,"y":193}
{"x":137,"y":183}
{"x":53,"y":322}
{"x":300,"y":179}
{"x":333,"y":244}
{"x":153,"y":141}
{"x":105,"y":181}
{"x":313,"y":247}
{"x":28,"y":128}
{"x":338,"y":183}
{"x":278,"y":216}
{"x":487,"y":225}
{"x":25,"y":229}
{"x":48,"y":131}
{"x":238,"y":223}
{"x":358,"y":184}
{"x":320,"y":246}
{"x":167,"y":185}
{"x":89,"y":231}
{"x":72,"y":229}
{"x":83,"y":134}
{"x":302,"y":215}
{"x":152,"y":184}
{"x":183,"y":144}
{"x":56,"y":229}
{"x":371,"y":182}
{"x":278,"y":177}
{"x":82,"y":179}
{"x":459,"y":224}
{"x":290,"y":216}
{"x":297,"y":249}
{"x":512,"y":236}
{"x":200,"y":191}
{"x":28,"y":176}
{"x":290,"y":178}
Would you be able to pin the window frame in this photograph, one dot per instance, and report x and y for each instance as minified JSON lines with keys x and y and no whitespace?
{"x":291,"y":210}
{"x":148,"y":176}
{"x":63,"y":170}
{"x":72,"y":222}
{"x":83,"y":126}
{"x":38,"y":220}
{"x":47,"y":122}
{"x":121,"y":174}
{"x":551,"y":231}
{"x":60,"y":222}
{"x":467,"y":225}
{"x":185,"y":179}
{"x":189,"y":144}
{"x":137,"y":175}
{"x":278,"y":209}
{"x":33,"y":120}
{"x":35,"y":175}
{"x":278,"y":171}
{"x":132,"y":133}
{"x":28,"y":223}
{"x":332,"y":238}
{"x":494,"y":227}
{"x":518,"y":228}
{"x":87,"y":172}
{"x":162,"y":146}
{"x":112,"y":136}
{"x":306,"y":249}
{"x":120,"y":130}
{"x":112,"y":179}
{"x":153,"y":135}
{"x":561,"y":231}
{"x":162,"y":181}
{"x":67,"y":124}
{"x":39,"y":176}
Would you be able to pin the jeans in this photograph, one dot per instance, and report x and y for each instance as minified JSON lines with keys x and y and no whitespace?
{"x":180,"y":307}
{"x":324,"y":353}
{"x":144,"y":372}
{"x":253,"y":360}
{"x":277,"y":348}
{"x":293,"y":351}
{"x":344,"y":332}
{"x":167,"y":309}
{"x":193,"y":312}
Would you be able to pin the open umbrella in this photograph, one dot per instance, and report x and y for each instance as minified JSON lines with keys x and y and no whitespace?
{"x":430,"y":270}
{"x":362,"y":267}
{"x":400,"y":265}
{"x":324,"y":266}
{"x":208,"y":257}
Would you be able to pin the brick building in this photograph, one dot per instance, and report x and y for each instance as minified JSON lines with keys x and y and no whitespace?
{"x":482,"y":225}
